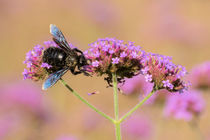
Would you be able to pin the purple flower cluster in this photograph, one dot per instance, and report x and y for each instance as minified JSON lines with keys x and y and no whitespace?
{"x":127,"y":60}
{"x":160,"y":70}
{"x":35,"y":67}
{"x":184,"y":106}
{"x":200,"y":76}
{"x":110,"y":55}
{"x":137,"y":87}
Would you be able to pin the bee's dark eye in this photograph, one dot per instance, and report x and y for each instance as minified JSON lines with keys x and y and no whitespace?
{"x":82,"y":60}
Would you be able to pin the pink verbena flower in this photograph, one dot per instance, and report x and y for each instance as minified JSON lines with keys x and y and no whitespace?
{"x":36,"y":69}
{"x":22,"y":95}
{"x":135,"y":85}
{"x":90,"y":120}
{"x":184,"y":106}
{"x":115,"y":60}
{"x":159,"y":70}
{"x":95,"y":63}
{"x":21,"y":101}
{"x":45,"y":65}
{"x":138,"y":127}
{"x":148,"y":78}
{"x":200,"y":76}
{"x":110,"y":55}
{"x":167,"y":84}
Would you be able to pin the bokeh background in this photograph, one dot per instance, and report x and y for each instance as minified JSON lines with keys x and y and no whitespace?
{"x":177,"y":28}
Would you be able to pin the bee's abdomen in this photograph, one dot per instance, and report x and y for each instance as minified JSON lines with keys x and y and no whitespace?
{"x":54,"y":57}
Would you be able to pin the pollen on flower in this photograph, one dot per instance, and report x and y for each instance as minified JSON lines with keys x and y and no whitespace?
{"x":116,"y":56}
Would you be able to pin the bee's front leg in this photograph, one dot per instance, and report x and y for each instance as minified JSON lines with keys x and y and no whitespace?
{"x":83,"y":70}
{"x":79,"y":72}
{"x":72,"y":69}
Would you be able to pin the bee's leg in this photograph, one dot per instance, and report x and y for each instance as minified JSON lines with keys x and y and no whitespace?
{"x":76,"y":72}
{"x":72,"y":69}
{"x":85,"y":73}
{"x":79,"y":72}
{"x":82,"y":70}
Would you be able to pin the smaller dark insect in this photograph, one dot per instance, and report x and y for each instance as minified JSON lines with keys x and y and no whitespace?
{"x":62,"y":59}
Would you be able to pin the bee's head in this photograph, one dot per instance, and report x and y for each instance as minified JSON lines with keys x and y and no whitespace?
{"x":82,"y":60}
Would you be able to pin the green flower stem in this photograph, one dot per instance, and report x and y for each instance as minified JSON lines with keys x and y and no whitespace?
{"x":116,"y":108}
{"x":86,"y":102}
{"x":137,"y":106}
{"x":117,"y":122}
{"x":118,"y":131}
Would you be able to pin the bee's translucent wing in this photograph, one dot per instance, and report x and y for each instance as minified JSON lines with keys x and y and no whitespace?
{"x":53,"y":78}
{"x":59,"y":38}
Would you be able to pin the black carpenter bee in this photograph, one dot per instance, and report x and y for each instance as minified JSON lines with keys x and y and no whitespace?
{"x":62,"y":59}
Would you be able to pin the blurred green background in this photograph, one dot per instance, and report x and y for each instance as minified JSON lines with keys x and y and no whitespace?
{"x":177,"y":28}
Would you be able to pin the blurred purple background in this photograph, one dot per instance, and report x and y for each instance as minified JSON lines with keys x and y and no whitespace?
{"x":177,"y":28}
